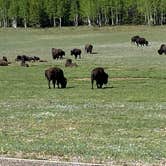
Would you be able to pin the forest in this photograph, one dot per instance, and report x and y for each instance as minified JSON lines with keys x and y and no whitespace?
{"x":57,"y":13}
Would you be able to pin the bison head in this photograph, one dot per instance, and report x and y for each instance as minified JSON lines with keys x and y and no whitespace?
{"x":63,"y":83}
{"x":105,"y":78}
{"x":160,"y":51}
{"x":72,"y":52}
{"x":146,"y":42}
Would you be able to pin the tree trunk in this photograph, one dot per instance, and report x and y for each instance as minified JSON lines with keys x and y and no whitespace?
{"x":117,"y":18}
{"x":54,"y":21}
{"x":4,"y":22}
{"x":89,"y":22}
{"x":60,"y":22}
{"x":154,"y":18}
{"x":105,"y":19}
{"x":14,"y":23}
{"x":76,"y":20}
{"x":162,"y":18}
{"x":112,"y":17}
{"x":25,"y":23}
{"x":99,"y":20}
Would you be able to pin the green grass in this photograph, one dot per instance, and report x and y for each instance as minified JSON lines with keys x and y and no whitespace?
{"x":124,"y":122}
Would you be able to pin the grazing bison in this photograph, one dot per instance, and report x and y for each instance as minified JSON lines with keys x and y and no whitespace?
{"x":69,"y":63}
{"x":4,"y":58}
{"x":76,"y":52}
{"x":24,"y":58}
{"x":55,"y":75}
{"x":3,"y":63}
{"x":162,"y":49}
{"x":141,"y":41}
{"x":57,"y":53}
{"x":100,"y":76}
{"x":36,"y":58}
{"x":88,"y":48}
{"x":134,"y":38}
{"x":24,"y":64}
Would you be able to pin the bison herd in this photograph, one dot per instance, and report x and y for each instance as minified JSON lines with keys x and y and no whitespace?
{"x":56,"y":75}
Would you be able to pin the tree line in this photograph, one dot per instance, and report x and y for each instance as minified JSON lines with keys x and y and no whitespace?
{"x":53,"y":13}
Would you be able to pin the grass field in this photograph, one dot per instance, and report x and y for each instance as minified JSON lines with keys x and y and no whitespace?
{"x":126,"y":121}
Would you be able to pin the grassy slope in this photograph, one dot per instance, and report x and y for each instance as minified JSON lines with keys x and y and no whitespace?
{"x":125,"y":121}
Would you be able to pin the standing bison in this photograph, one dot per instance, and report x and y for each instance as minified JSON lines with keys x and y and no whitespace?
{"x":162,"y":49}
{"x":57,"y":53}
{"x":141,"y":41}
{"x":100,"y":76}
{"x":88,"y":48}
{"x":55,"y":75}
{"x":76,"y":52}
{"x":134,"y":38}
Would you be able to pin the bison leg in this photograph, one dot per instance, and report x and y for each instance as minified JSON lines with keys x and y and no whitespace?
{"x":92,"y":82}
{"x":58,"y":84}
{"x":53,"y":82}
{"x":49,"y":84}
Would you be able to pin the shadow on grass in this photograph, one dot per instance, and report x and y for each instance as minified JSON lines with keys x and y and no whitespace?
{"x":94,"y":53}
{"x":109,"y":87}
{"x":70,"y":87}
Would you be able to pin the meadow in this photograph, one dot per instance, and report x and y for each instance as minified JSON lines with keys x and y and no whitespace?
{"x":125,"y":121}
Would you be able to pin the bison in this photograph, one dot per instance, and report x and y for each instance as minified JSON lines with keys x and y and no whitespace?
{"x":76,"y":52}
{"x":4,"y":61}
{"x":4,"y":58}
{"x":24,"y":64}
{"x":141,"y":41}
{"x":57,"y":53}
{"x":162,"y":49}
{"x":36,"y":58}
{"x":88,"y":48}
{"x":69,"y":63}
{"x":100,"y":76}
{"x":134,"y":38}
{"x":24,"y":58}
{"x":55,"y":75}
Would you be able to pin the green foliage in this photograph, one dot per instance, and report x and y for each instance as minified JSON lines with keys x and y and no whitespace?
{"x":75,"y":12}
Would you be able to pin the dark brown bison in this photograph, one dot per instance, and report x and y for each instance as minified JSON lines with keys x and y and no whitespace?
{"x":134,"y":38}
{"x":88,"y":48}
{"x":3,"y":63}
{"x":24,"y":58}
{"x":69,"y":63}
{"x":55,"y":75}
{"x":141,"y":41}
{"x":36,"y":58}
{"x":162,"y":49}
{"x":76,"y":52}
{"x":4,"y":58}
{"x":100,"y":76}
{"x":24,"y":64}
{"x":57,"y":53}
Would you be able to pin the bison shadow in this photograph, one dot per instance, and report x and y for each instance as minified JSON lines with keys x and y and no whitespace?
{"x":108,"y":87}
{"x":94,"y":53}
